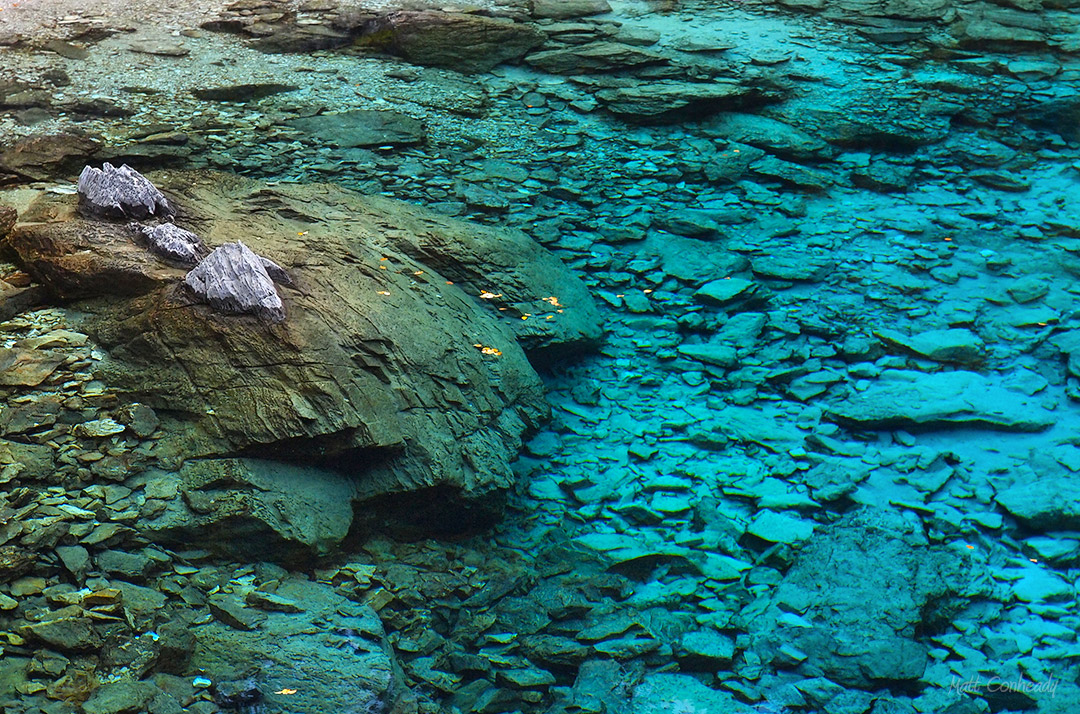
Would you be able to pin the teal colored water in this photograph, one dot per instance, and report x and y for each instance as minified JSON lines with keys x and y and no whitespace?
{"x":782,"y":418}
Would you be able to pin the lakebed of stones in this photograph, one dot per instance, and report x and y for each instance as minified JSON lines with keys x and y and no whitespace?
{"x":824,"y":459}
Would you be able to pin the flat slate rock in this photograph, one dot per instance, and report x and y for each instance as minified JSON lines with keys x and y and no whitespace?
{"x":160,"y":48}
{"x":362,"y":127}
{"x":671,"y":693}
{"x":953,"y":345}
{"x":905,"y":399}
{"x":566,"y":9}
{"x":234,"y":280}
{"x":723,"y":291}
{"x":594,"y":57}
{"x":660,"y":101}
{"x":1046,"y":504}
{"x":242,"y":92}
{"x":459,"y":41}
{"x":772,"y":135}
{"x":111,"y":192}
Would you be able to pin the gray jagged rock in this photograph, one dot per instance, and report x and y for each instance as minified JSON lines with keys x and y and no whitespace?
{"x":234,"y":279}
{"x":111,"y":192}
{"x":172,"y":242}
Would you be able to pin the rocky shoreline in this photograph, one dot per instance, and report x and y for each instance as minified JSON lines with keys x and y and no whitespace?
{"x":820,"y":460}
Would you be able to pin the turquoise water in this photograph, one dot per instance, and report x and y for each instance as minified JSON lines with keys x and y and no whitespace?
{"x":820,"y":457}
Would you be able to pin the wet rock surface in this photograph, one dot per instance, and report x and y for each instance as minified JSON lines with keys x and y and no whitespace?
{"x":464,"y":42}
{"x":352,"y":400}
{"x":822,"y":462}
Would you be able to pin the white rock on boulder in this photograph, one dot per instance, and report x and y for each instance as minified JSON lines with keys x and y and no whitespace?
{"x":123,"y":192}
{"x":174,"y":243}
{"x":233,"y":279}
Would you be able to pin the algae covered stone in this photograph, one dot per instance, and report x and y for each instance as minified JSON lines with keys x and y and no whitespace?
{"x":253,"y":508}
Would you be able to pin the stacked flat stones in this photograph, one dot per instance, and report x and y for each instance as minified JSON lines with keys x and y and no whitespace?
{"x":232,"y":278}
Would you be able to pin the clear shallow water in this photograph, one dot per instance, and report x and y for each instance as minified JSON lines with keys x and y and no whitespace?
{"x":843,"y":485}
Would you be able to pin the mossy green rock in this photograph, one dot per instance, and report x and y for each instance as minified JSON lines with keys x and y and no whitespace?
{"x":402,"y":363}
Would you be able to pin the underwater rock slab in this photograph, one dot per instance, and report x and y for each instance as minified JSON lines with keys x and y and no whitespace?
{"x":242,"y":92}
{"x":594,"y":57}
{"x":79,"y":257}
{"x":27,"y":368}
{"x":111,"y":192}
{"x":333,"y":657}
{"x":25,"y":460}
{"x":1046,"y":504}
{"x":898,"y":125}
{"x":952,"y":345}
{"x":251,"y":508}
{"x":660,"y":101}
{"x":362,"y":127}
{"x":459,"y":41}
{"x":234,"y":280}
{"x":858,"y":630}
{"x":905,"y":399}
{"x":775,"y":136}
{"x":52,"y":156}
{"x":856,"y":11}
{"x":670,"y":693}
{"x":566,"y":9}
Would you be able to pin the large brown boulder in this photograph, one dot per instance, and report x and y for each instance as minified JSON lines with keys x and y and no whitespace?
{"x":459,"y":41}
{"x":567,"y":9}
{"x":48,"y":157}
{"x":401,"y":363}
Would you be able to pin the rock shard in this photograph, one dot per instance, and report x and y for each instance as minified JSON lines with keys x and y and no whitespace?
{"x":233,"y":279}
{"x":111,"y":192}
{"x":172,"y":242}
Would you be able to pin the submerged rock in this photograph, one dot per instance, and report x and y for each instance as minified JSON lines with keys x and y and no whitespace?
{"x":772,"y":135}
{"x":362,"y":127}
{"x":336,"y":652}
{"x":459,"y":41}
{"x":662,"y":101}
{"x":8,"y":216}
{"x":233,"y":279}
{"x":565,"y":9}
{"x":242,"y":92}
{"x":671,"y":693}
{"x":1046,"y":504}
{"x":251,"y":508}
{"x":111,"y":192}
{"x":402,"y":364}
{"x":53,"y":156}
{"x":952,"y":345}
{"x":594,"y":57}
{"x":174,"y":243}
{"x":904,"y":399}
{"x":859,"y":630}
